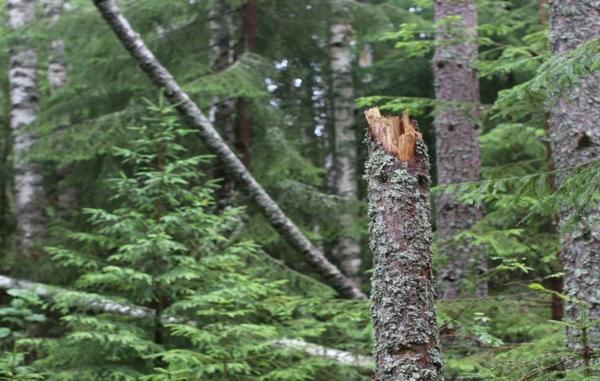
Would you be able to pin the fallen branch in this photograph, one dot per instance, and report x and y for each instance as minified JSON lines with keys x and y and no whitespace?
{"x":163,"y":79}
{"x":342,"y":357}
{"x":98,"y":303}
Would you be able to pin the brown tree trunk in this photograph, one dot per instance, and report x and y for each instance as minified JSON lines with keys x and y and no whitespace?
{"x":556,"y":284}
{"x":457,"y":141}
{"x":29,"y":180}
{"x":243,"y":128}
{"x":189,"y":110}
{"x":403,"y":298}
{"x":575,"y":137}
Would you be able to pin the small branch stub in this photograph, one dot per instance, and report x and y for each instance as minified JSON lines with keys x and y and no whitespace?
{"x":397,"y":136}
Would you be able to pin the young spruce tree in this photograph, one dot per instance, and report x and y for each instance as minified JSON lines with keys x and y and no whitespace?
{"x":211,"y":312}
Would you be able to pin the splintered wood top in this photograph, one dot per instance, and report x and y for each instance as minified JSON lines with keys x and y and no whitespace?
{"x":398,"y":136}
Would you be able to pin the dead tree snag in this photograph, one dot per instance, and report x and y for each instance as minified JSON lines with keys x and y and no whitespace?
{"x":402,"y":296}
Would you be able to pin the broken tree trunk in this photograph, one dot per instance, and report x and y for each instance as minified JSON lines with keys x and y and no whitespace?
{"x":194,"y":116}
{"x":403,"y":297}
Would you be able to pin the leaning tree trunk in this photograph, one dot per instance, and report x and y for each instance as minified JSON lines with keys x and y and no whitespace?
{"x":347,"y":250}
{"x":403,"y":298}
{"x":190,"y":111}
{"x":457,"y":141}
{"x":575,"y":139}
{"x":29,"y":189}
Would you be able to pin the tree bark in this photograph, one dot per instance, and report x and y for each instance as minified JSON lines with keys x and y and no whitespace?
{"x":57,"y":65}
{"x":244,"y":128}
{"x":192,"y":114}
{"x":29,"y":181}
{"x":403,"y":297}
{"x":221,"y":57}
{"x":58,"y":77}
{"x":575,"y":139}
{"x":457,"y":141}
{"x":347,"y":250}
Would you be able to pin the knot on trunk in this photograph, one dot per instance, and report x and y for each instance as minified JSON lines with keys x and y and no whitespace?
{"x":396,"y":135}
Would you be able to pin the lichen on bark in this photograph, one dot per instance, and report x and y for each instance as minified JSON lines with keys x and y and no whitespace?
{"x":403,"y":298}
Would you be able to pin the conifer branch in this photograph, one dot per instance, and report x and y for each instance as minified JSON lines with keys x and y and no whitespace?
{"x":188,"y":109}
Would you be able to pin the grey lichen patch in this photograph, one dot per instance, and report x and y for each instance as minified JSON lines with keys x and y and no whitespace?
{"x":406,"y":339}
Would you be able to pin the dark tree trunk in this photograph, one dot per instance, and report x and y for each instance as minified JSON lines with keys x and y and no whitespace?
{"x":457,"y":141}
{"x":221,"y":113}
{"x":575,"y":137}
{"x":403,"y":297}
{"x":243,"y":128}
{"x":58,"y":77}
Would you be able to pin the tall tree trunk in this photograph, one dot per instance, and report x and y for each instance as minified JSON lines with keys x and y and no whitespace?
{"x":189,"y":110}
{"x":29,"y":189}
{"x":575,"y":138}
{"x":221,"y":112}
{"x":57,"y":78}
{"x":243,"y":128}
{"x":347,"y":250}
{"x":556,"y":284}
{"x":221,"y":57}
{"x":403,"y":297}
{"x":57,"y":65}
{"x":457,"y":140}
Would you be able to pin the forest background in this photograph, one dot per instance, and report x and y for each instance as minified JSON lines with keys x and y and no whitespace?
{"x":133,"y":249}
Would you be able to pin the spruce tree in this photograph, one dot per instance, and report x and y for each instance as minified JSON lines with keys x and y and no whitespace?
{"x":215,"y":310}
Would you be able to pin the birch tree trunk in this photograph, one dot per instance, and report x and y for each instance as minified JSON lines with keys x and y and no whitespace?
{"x":457,"y":140}
{"x":402,"y":296}
{"x":575,"y":138}
{"x":57,"y":65}
{"x":29,"y":189}
{"x":347,"y":250}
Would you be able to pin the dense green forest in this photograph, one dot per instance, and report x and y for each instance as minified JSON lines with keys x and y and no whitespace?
{"x":300,"y":190}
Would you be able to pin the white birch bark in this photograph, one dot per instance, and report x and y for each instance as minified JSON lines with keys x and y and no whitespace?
{"x":29,"y":190}
{"x":347,"y":250}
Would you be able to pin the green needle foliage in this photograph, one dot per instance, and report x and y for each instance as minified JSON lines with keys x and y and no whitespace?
{"x":212,"y":308}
